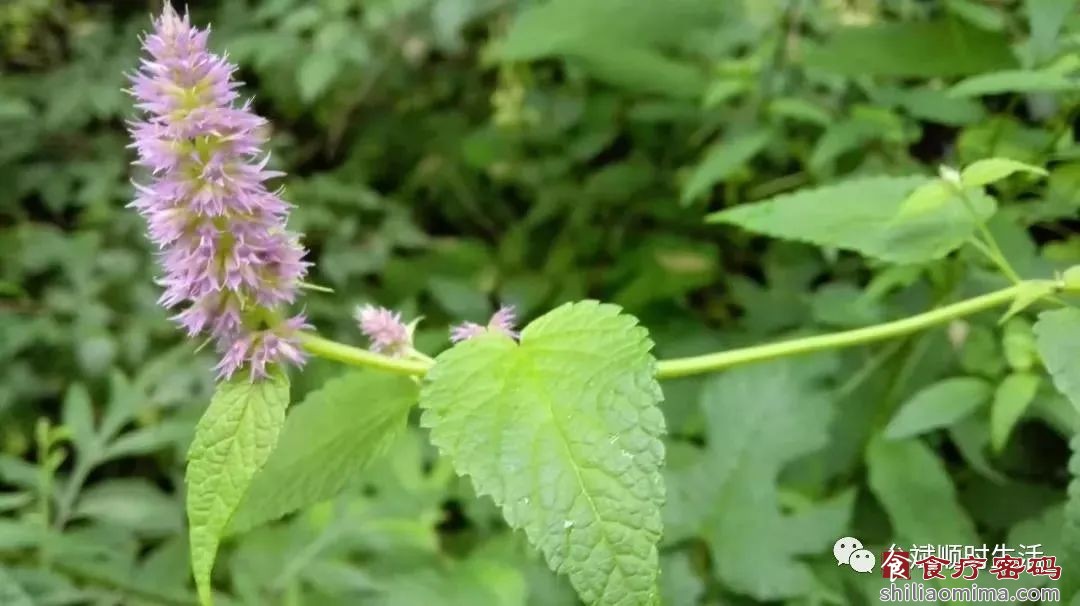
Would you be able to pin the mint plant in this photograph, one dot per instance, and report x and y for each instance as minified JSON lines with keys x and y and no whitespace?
{"x":558,"y":423}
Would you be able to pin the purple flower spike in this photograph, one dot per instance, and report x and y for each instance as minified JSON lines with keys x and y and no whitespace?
{"x":504,"y":321}
{"x":228,"y":260}
{"x":385,"y":329}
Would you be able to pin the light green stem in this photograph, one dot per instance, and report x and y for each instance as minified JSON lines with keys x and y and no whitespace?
{"x":354,"y":356}
{"x":682,"y":367}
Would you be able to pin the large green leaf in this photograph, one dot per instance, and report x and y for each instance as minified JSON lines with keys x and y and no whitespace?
{"x":326,"y":441}
{"x":917,"y":493}
{"x":758,"y":419}
{"x":938,"y":405}
{"x":862,"y":215}
{"x":563,"y":432}
{"x":1072,"y":504}
{"x":915,"y":49}
{"x":232,"y":441}
{"x":1057,"y":334}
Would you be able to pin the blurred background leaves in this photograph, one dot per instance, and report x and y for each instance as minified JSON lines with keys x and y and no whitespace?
{"x":446,"y":156}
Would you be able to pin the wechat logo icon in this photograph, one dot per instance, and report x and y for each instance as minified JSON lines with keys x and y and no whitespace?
{"x":849,"y":551}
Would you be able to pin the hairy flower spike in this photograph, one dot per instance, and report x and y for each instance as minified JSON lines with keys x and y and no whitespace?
{"x":504,"y":321}
{"x":385,"y":329}
{"x":227,"y":258}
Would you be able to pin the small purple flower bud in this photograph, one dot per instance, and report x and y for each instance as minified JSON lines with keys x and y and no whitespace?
{"x":385,"y":329}
{"x":228,"y":259}
{"x":465,"y":331}
{"x":504,"y":320}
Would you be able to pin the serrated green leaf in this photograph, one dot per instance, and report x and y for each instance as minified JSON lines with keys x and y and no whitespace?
{"x":721,"y":161}
{"x":1013,"y":81}
{"x":758,"y":419}
{"x":983,"y":172}
{"x":1028,"y":293}
{"x":1072,"y":504}
{"x":232,"y":441}
{"x":938,"y":405}
{"x":562,"y":431}
{"x":1057,"y":334}
{"x":915,"y":49}
{"x":861,"y":215}
{"x":327,"y":440}
{"x":1012,"y":397}
{"x":906,"y":476}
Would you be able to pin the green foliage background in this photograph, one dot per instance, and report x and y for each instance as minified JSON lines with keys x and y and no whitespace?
{"x":449,"y":155}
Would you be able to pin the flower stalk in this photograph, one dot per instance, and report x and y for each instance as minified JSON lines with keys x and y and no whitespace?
{"x":695,"y":365}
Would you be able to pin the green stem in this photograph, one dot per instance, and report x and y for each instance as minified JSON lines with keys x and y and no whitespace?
{"x":991,"y":250}
{"x":354,"y":356}
{"x":682,"y":367}
{"x":669,"y":369}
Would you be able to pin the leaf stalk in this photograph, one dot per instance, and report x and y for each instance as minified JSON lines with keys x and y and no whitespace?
{"x":713,"y":362}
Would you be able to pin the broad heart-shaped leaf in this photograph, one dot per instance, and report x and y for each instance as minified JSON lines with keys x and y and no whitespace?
{"x":327,"y":440}
{"x":563,"y":431}
{"x":938,"y":405}
{"x":759,"y":419}
{"x":232,"y":441}
{"x":862,"y":214}
{"x":1057,"y":334}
